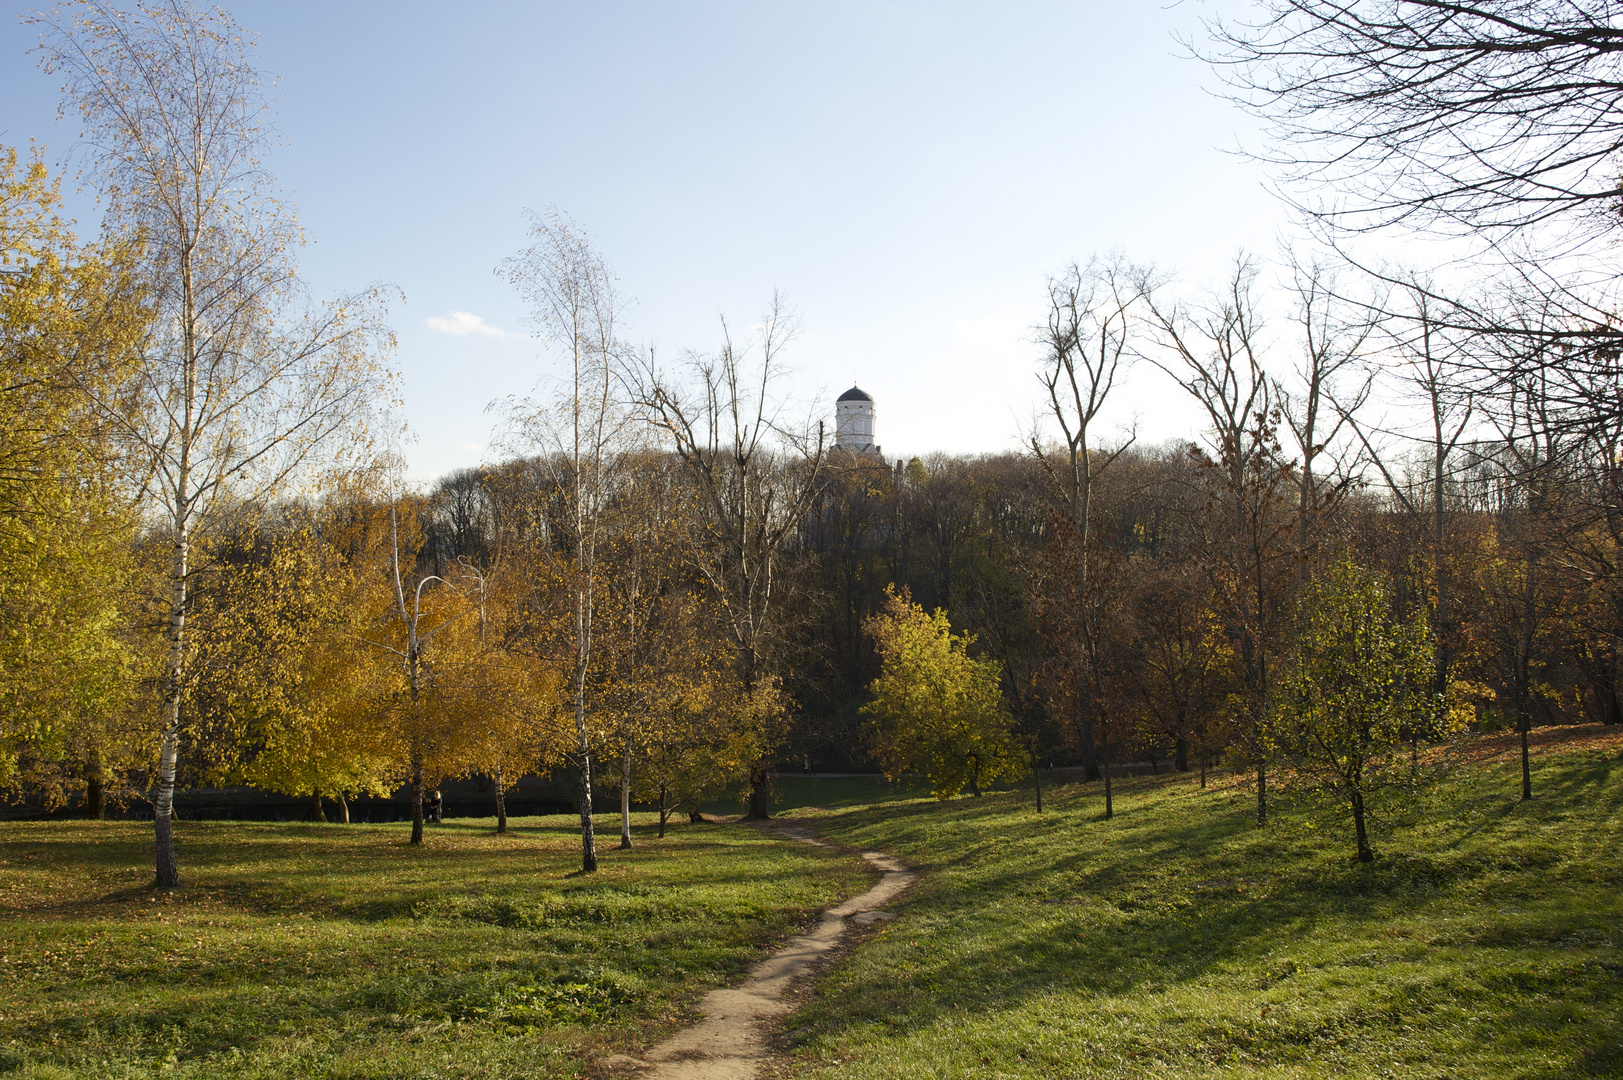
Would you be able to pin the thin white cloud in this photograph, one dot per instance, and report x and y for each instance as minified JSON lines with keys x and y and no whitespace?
{"x":464,"y":323}
{"x":470,"y":449}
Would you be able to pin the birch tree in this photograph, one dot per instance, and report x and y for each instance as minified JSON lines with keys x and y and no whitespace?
{"x":244,"y":382}
{"x":582,"y":436}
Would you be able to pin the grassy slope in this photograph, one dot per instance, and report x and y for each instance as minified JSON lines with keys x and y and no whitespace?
{"x":332,"y":951}
{"x":1176,"y":940}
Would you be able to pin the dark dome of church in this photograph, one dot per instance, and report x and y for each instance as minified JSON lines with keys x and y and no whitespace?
{"x":854,"y":394}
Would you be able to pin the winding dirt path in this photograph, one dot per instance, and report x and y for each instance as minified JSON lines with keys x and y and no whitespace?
{"x":730,"y":1042}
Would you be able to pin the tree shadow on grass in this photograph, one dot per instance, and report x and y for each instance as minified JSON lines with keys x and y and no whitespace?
{"x":468,"y":948}
{"x":1186,"y":906}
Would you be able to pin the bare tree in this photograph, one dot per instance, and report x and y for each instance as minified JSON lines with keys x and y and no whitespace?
{"x":1500,"y":120}
{"x":1085,"y":342}
{"x":1471,"y":115}
{"x":755,"y":478}
{"x":1426,"y":354}
{"x":582,"y":435}
{"x":657,"y":641}
{"x":459,"y":509}
{"x":1318,"y":404}
{"x":244,"y":383}
{"x":1533,"y":462}
{"x":1214,"y":352}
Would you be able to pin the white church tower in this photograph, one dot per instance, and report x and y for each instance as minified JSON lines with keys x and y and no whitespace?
{"x":853,"y":423}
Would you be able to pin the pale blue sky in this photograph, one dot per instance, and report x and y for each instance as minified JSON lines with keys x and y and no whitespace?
{"x":906,"y":173}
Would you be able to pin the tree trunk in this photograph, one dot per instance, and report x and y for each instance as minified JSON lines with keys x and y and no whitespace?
{"x":759,"y":805}
{"x":1524,"y":720}
{"x":1180,"y":754}
{"x":1524,"y":662}
{"x":95,"y":789}
{"x":1085,"y":740}
{"x":1611,"y":707}
{"x":416,"y":789}
{"x":1364,"y":853}
{"x":1037,"y":780}
{"x":163,"y":804}
{"x":1523,"y":726}
{"x":1262,"y":794}
{"x":317,"y":812}
{"x":343,"y":808}
{"x":501,"y":802}
{"x":583,"y":742}
{"x":663,"y":811}
{"x":1110,"y":806}
{"x":975,"y":780}
{"x":1439,"y":567}
{"x":1202,"y":751}
{"x":163,"y":807}
{"x":625,"y":800}
{"x":588,"y":838}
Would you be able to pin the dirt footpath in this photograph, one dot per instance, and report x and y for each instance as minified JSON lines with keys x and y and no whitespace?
{"x":730,"y":1042}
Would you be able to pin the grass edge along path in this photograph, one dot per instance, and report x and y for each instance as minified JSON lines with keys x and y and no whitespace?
{"x":1177,"y":940}
{"x":731,"y":1041}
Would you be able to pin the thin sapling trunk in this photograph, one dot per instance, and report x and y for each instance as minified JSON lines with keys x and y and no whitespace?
{"x":625,"y":800}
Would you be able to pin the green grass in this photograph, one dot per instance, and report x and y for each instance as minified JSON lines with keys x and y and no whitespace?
{"x":1174,"y":940}
{"x":792,"y":792}
{"x":340,"y":952}
{"x":1178,"y":941}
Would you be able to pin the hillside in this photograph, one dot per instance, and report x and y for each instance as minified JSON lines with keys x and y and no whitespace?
{"x":1178,"y":940}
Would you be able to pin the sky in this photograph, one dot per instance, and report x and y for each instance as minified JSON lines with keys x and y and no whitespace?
{"x":906,"y":175}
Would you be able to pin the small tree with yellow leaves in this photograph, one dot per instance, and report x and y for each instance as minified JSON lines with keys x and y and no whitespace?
{"x":936,"y":710}
{"x":1357,"y":687}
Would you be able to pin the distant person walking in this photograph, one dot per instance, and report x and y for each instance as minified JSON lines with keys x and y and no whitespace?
{"x":805,"y":766}
{"x":436,"y":807}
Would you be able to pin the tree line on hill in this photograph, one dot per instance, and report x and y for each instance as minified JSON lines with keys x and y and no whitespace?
{"x":210,"y":569}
